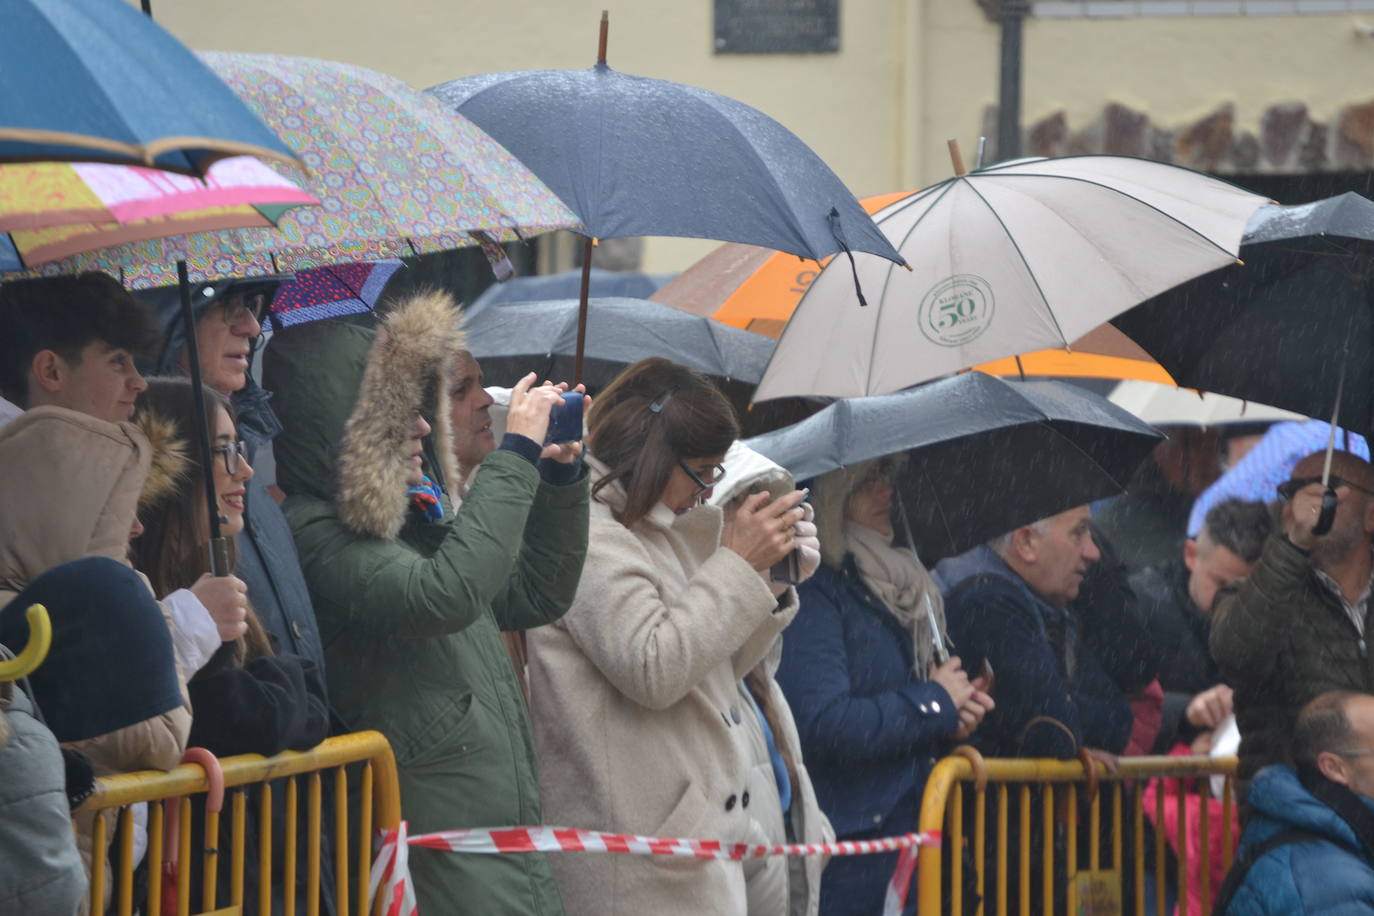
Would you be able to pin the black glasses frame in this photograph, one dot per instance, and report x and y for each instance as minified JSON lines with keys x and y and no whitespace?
{"x":233,"y":454}
{"x":717,"y":472}
{"x":235,"y":308}
{"x":1289,"y":488}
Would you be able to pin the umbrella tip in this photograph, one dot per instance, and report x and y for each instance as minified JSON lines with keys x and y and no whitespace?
{"x":1240,"y":262}
{"x":909,"y":268}
{"x":601,"y":43}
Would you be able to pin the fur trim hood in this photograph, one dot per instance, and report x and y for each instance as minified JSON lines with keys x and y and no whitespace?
{"x":409,"y":368}
{"x":346,"y":394}
{"x":171,"y":460}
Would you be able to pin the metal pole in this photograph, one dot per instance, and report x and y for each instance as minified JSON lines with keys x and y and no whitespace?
{"x":1009,"y":84}
{"x":219,"y":546}
{"x":582,"y":308}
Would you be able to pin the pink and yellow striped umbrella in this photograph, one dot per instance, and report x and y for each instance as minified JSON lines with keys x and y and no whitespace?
{"x":44,"y":194}
{"x":53,"y":210}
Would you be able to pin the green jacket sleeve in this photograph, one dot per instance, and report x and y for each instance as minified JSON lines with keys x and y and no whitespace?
{"x":542,"y":585}
{"x":391,"y":589}
{"x":1250,"y":621}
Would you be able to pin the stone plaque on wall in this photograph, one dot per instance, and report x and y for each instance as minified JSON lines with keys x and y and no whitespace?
{"x":777,"y":26}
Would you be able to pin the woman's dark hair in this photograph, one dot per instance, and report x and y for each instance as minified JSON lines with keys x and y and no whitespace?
{"x":171,"y":552}
{"x":655,"y":414}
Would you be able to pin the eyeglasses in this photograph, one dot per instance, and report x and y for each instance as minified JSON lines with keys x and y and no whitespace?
{"x":232,"y":453}
{"x":716,"y":472}
{"x":1289,"y":488}
{"x":236,"y":310}
{"x":1355,"y":752}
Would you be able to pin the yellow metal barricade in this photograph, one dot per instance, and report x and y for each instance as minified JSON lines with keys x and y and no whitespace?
{"x":1058,"y":835}
{"x":360,"y":769}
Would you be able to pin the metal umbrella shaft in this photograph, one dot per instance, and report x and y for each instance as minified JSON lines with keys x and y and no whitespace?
{"x":219,"y":546}
{"x":941,"y":650}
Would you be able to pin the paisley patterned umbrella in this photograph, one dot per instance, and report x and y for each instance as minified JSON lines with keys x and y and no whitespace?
{"x":397,"y":173}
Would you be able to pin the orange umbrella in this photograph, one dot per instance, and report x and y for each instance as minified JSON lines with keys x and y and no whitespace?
{"x":757,"y":289}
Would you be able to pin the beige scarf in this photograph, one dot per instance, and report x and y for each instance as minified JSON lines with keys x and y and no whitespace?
{"x":901,"y":583}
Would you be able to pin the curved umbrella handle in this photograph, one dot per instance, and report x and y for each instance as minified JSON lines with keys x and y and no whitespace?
{"x":1327,"y":516}
{"x":40,"y":640}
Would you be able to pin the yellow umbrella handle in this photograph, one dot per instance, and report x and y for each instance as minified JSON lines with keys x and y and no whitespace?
{"x":40,"y":639}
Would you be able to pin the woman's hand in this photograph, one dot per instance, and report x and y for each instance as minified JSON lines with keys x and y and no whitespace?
{"x":761,"y":530}
{"x":568,"y":452}
{"x":954,"y":679}
{"x":972,"y":713}
{"x":226,"y":600}
{"x":528,"y":414}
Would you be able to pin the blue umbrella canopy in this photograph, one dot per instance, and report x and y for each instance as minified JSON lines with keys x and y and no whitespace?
{"x":987,"y":455}
{"x":637,"y":156}
{"x":98,"y":80}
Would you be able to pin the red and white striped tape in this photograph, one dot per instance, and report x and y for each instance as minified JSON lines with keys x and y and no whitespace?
{"x":390,"y":875}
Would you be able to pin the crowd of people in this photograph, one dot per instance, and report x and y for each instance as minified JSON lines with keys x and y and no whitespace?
{"x":607,"y":632}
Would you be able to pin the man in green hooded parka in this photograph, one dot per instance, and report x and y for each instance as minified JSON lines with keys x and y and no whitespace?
{"x":412,"y":592}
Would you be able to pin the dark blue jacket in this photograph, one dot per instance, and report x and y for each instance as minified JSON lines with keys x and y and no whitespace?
{"x":870,"y":730}
{"x":1329,"y":876}
{"x":1052,"y":694}
{"x":267,"y":561}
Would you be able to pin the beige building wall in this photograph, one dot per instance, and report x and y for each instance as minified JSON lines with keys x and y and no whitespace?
{"x":909,"y":73}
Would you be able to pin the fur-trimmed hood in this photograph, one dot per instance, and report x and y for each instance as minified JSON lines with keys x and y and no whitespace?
{"x":170,"y":459}
{"x":346,"y":394}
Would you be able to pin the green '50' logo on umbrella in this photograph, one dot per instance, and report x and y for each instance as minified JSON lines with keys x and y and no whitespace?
{"x":957,"y":310}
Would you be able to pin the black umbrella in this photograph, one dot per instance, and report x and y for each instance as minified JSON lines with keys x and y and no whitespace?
{"x":511,"y":339}
{"x":1274,"y":329}
{"x":1291,"y":327}
{"x":987,"y":455}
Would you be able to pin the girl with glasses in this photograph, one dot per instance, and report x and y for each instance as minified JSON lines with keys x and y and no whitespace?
{"x":246,"y":699}
{"x":638,"y":716}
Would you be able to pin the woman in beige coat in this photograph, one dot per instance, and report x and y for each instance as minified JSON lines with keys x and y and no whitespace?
{"x":638,"y":719}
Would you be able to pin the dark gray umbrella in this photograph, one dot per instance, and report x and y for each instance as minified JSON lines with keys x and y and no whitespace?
{"x":635,"y":156}
{"x":514,"y":338}
{"x":1274,"y":329}
{"x":1293,"y":326}
{"x":987,"y":455}
{"x":565,"y":285}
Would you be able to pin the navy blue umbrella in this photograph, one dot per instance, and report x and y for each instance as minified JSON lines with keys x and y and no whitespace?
{"x":97,"y":80}
{"x":987,"y":455}
{"x":635,"y":156}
